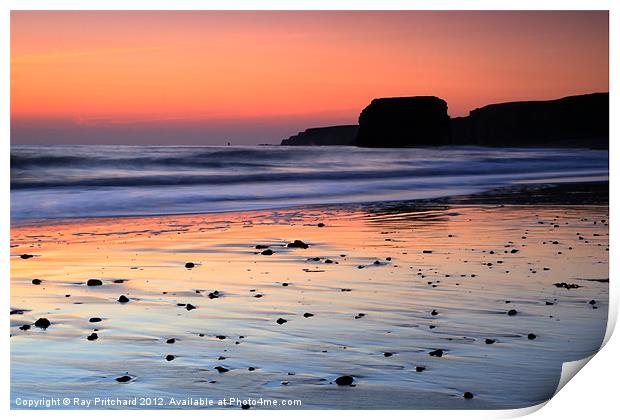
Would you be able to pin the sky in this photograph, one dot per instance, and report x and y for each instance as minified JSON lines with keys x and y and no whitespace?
{"x":249,"y":77}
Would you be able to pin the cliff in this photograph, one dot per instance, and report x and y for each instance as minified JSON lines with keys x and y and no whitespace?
{"x":574,"y":121}
{"x":404,"y":122}
{"x":340,"y":135}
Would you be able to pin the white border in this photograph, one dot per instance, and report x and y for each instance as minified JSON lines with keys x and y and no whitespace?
{"x":592,"y":395}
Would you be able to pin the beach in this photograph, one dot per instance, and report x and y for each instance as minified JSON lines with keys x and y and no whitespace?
{"x":418,"y":301}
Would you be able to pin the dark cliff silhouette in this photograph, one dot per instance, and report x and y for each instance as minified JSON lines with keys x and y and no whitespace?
{"x":340,"y":135}
{"x":404,"y":122}
{"x":574,"y":121}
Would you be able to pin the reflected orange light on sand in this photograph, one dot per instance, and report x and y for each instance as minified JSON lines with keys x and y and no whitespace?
{"x":128,"y":66}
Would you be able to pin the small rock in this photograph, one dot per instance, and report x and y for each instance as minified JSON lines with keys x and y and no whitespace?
{"x":189,"y":265}
{"x":531,"y":336}
{"x":308,"y":315}
{"x":171,"y":341}
{"x":321,"y":225}
{"x":92,"y":337}
{"x":25,"y":256}
{"x":220,"y":337}
{"x":94,"y":282}
{"x":123,"y":378}
{"x":42,"y":323}
{"x":25,"y":327}
{"x":344,"y":380}
{"x":468,"y":395}
{"x":267,"y":252}
{"x":169,"y":357}
{"x":512,"y":312}
{"x":189,"y":307}
{"x":258,"y":295}
{"x":281,"y":321}
{"x":434,"y":312}
{"x":123,"y":299}
{"x":245,"y":406}
{"x":388,"y":354}
{"x":489,"y":341}
{"x":37,"y":281}
{"x":427,"y":251}
{"x":420,"y":368}
{"x":297,"y":244}
{"x":436,"y":353}
{"x":221,"y":369}
{"x":262,"y":246}
{"x":94,"y":319}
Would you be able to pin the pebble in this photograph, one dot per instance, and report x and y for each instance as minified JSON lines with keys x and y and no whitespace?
{"x":42,"y":323}
{"x":344,"y":380}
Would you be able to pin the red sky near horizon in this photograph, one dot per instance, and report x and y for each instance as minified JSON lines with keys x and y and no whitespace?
{"x":249,"y":77}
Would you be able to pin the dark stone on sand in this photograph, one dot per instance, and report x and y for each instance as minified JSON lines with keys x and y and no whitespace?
{"x":220,"y":337}
{"x":123,"y":299}
{"x":94,"y":319}
{"x":258,"y":295}
{"x":251,"y":369}
{"x":547,"y":303}
{"x":388,"y":354}
{"x":267,"y":252}
{"x":94,"y":282}
{"x":262,"y":246}
{"x":514,"y":251}
{"x":169,"y":357}
{"x":221,"y":369}
{"x":360,"y":315}
{"x":17,"y":312}
{"x":434,"y":312}
{"x":37,"y":281}
{"x":427,"y":251}
{"x":25,"y":256}
{"x":420,"y":368}
{"x":24,"y":327}
{"x":321,"y":225}
{"x":92,"y":337}
{"x":339,"y":135}
{"x":531,"y":336}
{"x":344,"y":380}
{"x":123,"y":378}
{"x":489,"y":341}
{"x":281,"y":321}
{"x":214,"y":294}
{"x":308,"y":315}
{"x":436,"y":353}
{"x":567,"y":286}
{"x":119,"y":281}
{"x":468,"y":395}
{"x":297,"y":244}
{"x":592,"y":302}
{"x":245,"y":406}
{"x":328,"y":261}
{"x":189,"y":265}
{"x":284,"y":284}
{"x":42,"y":323}
{"x":512,"y":312}
{"x":404,"y":122}
{"x":171,"y":341}
{"x":189,"y":307}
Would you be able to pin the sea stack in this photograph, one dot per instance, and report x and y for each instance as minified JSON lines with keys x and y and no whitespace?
{"x":404,"y":122}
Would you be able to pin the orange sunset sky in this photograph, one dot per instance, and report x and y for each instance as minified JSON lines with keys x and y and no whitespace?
{"x":249,"y":77}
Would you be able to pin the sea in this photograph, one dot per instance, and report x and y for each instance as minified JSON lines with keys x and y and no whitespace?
{"x":77,"y":181}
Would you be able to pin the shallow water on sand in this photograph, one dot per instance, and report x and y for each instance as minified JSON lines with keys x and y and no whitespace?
{"x":484,"y":261}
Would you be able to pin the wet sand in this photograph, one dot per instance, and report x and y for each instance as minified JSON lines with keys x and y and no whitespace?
{"x":378,"y":288}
